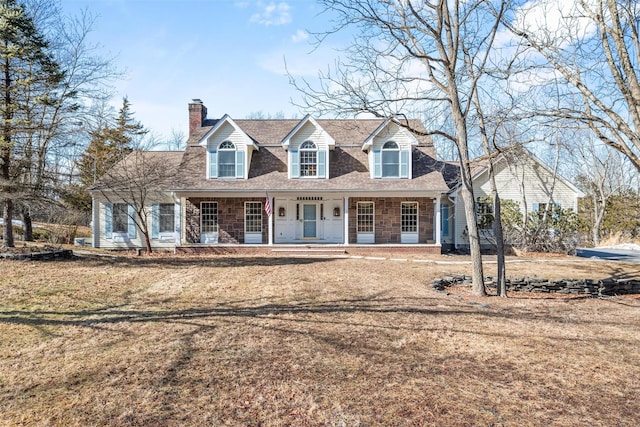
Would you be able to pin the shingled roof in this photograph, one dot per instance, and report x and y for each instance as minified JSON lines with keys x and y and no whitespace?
{"x":348,"y":164}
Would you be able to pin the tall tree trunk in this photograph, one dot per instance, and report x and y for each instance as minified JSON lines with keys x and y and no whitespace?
{"x":7,"y":215}
{"x":501,"y":282}
{"x":27,"y":230}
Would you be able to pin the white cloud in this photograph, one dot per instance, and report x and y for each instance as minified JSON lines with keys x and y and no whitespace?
{"x":272,"y":14}
{"x":299,"y":36}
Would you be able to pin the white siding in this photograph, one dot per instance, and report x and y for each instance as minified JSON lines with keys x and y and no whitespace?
{"x":308,"y":132}
{"x":525,"y":182}
{"x":138,"y":241}
{"x":227,"y":132}
{"x":392,"y":132}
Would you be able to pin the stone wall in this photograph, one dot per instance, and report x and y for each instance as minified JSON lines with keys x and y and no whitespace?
{"x":604,"y":287}
{"x":230,"y":219}
{"x":387,"y":218}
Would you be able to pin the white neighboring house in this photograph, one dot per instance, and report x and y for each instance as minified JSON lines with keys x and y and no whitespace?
{"x":520,"y":176}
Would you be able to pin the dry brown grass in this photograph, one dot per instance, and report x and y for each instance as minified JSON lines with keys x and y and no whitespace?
{"x":309,"y":341}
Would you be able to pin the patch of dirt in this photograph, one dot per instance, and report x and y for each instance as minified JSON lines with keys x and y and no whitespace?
{"x":29,"y":249}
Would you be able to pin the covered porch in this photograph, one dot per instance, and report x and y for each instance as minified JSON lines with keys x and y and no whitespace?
{"x":314,"y":219}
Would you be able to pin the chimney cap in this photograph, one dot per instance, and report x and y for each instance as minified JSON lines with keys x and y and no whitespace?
{"x":196,"y":101}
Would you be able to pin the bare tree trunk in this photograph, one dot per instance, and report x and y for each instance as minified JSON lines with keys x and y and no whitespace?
{"x":7,"y":215}
{"x":501,"y":281}
{"x":27,"y":230}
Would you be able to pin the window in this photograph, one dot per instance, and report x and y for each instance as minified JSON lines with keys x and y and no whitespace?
{"x":209,"y":217}
{"x":552,"y":210}
{"x":308,"y":159}
{"x":484,"y":213}
{"x":390,"y":159}
{"x":166,"y":217}
{"x":444,"y":220}
{"x":120,"y":218}
{"x":365,"y":217}
{"x":409,"y":217}
{"x":253,"y":217}
{"x":227,"y":160}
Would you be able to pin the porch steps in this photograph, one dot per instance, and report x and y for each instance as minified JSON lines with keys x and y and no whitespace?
{"x":309,"y":250}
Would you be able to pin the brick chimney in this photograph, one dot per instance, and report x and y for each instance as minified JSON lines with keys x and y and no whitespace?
{"x":197,"y":114}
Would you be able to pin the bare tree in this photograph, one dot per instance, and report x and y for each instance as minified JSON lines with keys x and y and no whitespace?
{"x":410,"y":56}
{"x":602,"y":172}
{"x":138,"y":180}
{"x":591,"y":49}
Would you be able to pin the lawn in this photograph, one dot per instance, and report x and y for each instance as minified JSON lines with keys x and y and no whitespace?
{"x":275,"y":341}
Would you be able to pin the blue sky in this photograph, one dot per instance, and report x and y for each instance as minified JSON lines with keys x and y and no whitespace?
{"x":229,"y":53}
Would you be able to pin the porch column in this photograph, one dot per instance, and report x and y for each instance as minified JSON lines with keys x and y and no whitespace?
{"x":346,"y":220}
{"x":437,"y":223}
{"x":271,"y":200}
{"x":177,"y":217}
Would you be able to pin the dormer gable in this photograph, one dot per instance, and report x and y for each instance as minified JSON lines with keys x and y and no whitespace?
{"x":389,"y":150}
{"x":228,"y":149}
{"x":308,"y":146}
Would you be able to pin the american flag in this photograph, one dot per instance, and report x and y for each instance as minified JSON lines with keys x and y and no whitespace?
{"x":267,"y":206}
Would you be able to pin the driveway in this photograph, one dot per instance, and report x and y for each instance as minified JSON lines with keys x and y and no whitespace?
{"x":612,"y":254}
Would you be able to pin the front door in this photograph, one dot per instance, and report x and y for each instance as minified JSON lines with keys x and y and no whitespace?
{"x":309,"y":218}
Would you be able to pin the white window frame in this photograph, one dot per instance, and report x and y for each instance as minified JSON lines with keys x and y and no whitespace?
{"x":125,"y":212}
{"x":388,"y":149}
{"x":209,"y":236}
{"x":225,"y":148}
{"x":253,"y":236}
{"x":366,"y":236}
{"x":161,"y":215}
{"x":409,"y":236}
{"x":308,"y":148}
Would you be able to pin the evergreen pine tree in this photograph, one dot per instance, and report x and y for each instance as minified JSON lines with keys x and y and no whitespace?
{"x":27,"y":72}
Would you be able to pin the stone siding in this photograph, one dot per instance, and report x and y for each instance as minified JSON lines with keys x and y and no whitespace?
{"x":387,"y":218}
{"x":230,"y":219}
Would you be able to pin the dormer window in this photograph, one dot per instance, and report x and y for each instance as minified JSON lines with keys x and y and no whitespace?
{"x":390,"y":160}
{"x":308,"y":159}
{"x":227,"y":160}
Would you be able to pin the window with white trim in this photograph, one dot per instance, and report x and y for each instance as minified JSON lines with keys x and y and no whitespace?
{"x":253,"y":217}
{"x":209,"y":217}
{"x":120,"y":218}
{"x":409,"y":217}
{"x":227,"y":160}
{"x":308,"y":159}
{"x":166,"y":214}
{"x":365,"y":217}
{"x":390,"y":160}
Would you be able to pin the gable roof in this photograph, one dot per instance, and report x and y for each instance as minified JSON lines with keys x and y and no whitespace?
{"x":215,"y":127}
{"x":157,"y":168}
{"x":305,"y":120}
{"x":480,"y":166}
{"x":369,"y":141}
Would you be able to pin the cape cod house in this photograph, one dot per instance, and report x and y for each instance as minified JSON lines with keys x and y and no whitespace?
{"x":277,"y":182}
{"x":247,"y":183}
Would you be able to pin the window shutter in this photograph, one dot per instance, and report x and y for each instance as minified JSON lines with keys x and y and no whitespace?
{"x":132,"y":223}
{"x":213,"y":164}
{"x":377,"y":164}
{"x":108,"y":220}
{"x":155,"y":220}
{"x":239,"y":164}
{"x":322,"y":164}
{"x":295,"y":164}
{"x":536,"y":207}
{"x":404,"y":164}
{"x":444,"y":220}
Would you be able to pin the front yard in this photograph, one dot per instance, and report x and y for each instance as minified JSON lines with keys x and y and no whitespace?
{"x":235,"y":340}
